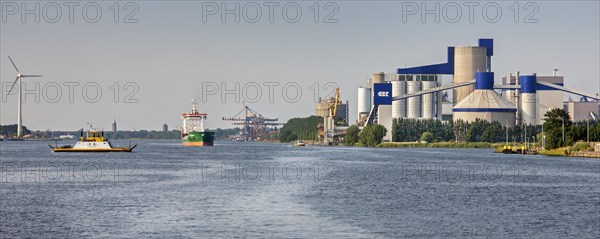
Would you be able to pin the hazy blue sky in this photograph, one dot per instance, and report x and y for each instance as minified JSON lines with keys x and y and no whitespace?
{"x":171,"y":52}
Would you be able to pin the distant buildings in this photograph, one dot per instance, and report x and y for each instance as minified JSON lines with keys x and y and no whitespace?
{"x":165,"y":127}
{"x":114,"y":126}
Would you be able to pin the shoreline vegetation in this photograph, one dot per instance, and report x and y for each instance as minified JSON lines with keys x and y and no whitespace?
{"x":438,"y":145}
{"x":580,"y":149}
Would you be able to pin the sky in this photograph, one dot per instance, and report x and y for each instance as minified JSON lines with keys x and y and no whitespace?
{"x":141,"y":62}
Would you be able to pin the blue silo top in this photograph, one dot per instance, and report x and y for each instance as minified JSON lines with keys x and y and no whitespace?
{"x":528,"y":84}
{"x":484,"y":80}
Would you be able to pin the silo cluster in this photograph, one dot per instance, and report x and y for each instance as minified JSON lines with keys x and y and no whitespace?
{"x":427,"y":106}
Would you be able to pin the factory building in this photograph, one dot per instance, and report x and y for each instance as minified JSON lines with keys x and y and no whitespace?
{"x":541,"y":101}
{"x":580,"y":111}
{"x":418,"y":93}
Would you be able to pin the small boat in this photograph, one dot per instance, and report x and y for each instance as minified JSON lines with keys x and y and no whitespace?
{"x":299,"y":143}
{"x":93,"y":142}
{"x":66,"y":136}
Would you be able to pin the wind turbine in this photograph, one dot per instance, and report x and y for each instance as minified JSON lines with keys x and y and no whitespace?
{"x":19,"y":115}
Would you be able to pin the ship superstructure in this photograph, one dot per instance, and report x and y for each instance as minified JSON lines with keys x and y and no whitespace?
{"x":193,"y":132}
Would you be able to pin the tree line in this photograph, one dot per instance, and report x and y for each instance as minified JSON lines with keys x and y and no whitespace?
{"x":300,"y":128}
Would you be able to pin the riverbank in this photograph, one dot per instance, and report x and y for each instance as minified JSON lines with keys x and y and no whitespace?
{"x":439,"y":145}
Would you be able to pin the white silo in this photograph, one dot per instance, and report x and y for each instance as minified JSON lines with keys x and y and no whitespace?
{"x":467,"y":61}
{"x":398,"y":106}
{"x":377,"y":78}
{"x":428,"y":101}
{"x":413,"y":104}
{"x":528,"y":99}
{"x":364,"y":101}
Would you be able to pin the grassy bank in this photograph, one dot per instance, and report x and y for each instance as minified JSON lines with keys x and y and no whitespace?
{"x":438,"y":145}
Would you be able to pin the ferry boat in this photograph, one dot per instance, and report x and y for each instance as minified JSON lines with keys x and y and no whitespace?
{"x":93,"y":142}
{"x":193,"y":132}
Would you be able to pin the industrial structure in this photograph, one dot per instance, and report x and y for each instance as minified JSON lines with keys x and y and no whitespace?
{"x":254,"y":125}
{"x":582,"y":110}
{"x":322,"y":108}
{"x":332,"y":111}
{"x":418,"y":93}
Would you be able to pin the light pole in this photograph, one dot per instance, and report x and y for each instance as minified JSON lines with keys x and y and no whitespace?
{"x":506,"y":133}
{"x":543,"y":138}
{"x":525,"y":125}
{"x":588,"y":131}
{"x":563,"y":128}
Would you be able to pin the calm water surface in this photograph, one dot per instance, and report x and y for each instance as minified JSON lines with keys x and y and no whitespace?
{"x":265,"y":190}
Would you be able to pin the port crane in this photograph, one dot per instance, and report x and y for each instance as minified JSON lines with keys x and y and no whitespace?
{"x":329,"y":128}
{"x":254,"y":125}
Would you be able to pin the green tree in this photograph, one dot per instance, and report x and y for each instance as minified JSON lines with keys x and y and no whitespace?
{"x":351,"y":136}
{"x":372,"y":135}
{"x":493,"y":133}
{"x":394,"y":132}
{"x":427,"y":137}
{"x":557,"y":121}
{"x":300,"y":128}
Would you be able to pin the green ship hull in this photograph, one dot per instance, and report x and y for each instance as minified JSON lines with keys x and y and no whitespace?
{"x":205,"y":138}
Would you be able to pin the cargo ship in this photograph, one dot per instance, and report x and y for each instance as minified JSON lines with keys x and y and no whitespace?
{"x":193,"y":132}
{"x":94,"y":141}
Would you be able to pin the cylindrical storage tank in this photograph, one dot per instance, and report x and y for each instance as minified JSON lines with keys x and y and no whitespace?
{"x":467,"y":61}
{"x":322,"y":109}
{"x":528,"y":99}
{"x":364,"y":101}
{"x":398,"y":106}
{"x":428,"y":100}
{"x":413,"y":104}
{"x":377,"y":78}
{"x":484,"y":80}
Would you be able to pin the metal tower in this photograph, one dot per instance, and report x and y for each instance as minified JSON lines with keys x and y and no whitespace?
{"x":254,"y":124}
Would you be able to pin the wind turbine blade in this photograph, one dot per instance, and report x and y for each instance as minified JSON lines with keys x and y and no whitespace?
{"x":31,"y":75}
{"x":13,"y":63}
{"x":13,"y":85}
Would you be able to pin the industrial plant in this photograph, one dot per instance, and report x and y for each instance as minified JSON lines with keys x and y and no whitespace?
{"x":418,"y":93}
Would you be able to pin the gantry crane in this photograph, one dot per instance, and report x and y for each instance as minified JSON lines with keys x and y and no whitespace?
{"x":254,"y":124}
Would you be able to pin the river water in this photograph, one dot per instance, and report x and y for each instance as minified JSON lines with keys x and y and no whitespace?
{"x":264,"y":190}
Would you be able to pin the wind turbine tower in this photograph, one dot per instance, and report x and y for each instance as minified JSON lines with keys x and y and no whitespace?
{"x":19,"y":107}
